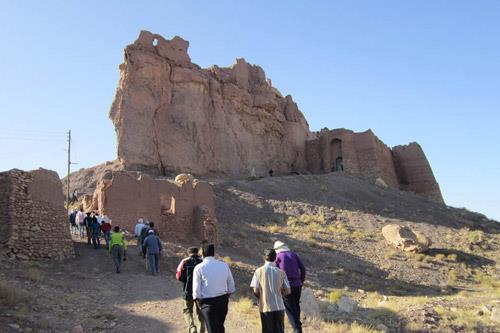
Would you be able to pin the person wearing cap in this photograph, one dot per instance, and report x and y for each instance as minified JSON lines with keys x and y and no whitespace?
{"x":152,"y":247}
{"x":291,"y":264}
{"x":212,"y":285}
{"x":118,"y":248}
{"x":184,"y":274}
{"x":270,"y":284}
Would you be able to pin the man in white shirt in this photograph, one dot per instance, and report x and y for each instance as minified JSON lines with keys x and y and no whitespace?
{"x":80,"y":221}
{"x":212,"y":285}
{"x":269,"y":285}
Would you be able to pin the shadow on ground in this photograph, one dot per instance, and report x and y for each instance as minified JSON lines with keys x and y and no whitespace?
{"x":244,"y":242}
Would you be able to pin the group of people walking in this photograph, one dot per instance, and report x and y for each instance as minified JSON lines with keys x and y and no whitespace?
{"x":208,"y":283}
{"x":92,"y":225}
{"x":149,"y":244}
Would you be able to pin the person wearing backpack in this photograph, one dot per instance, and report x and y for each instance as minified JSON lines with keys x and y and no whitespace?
{"x":87,"y":222}
{"x":184,"y":274}
{"x":95,"y":231}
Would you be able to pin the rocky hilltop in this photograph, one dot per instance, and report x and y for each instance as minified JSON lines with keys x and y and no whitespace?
{"x":172,"y":115}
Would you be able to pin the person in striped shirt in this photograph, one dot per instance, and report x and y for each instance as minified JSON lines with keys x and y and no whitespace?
{"x":269,"y":284}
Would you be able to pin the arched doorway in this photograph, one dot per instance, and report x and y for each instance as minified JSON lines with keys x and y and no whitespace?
{"x":336,"y":163}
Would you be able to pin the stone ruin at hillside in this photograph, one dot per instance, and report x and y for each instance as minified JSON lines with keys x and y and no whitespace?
{"x":33,"y":221}
{"x":183,"y":209}
{"x":404,"y":167}
{"x":170,"y":115}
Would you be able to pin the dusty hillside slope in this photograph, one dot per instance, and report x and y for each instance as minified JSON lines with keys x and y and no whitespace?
{"x":333,"y":221}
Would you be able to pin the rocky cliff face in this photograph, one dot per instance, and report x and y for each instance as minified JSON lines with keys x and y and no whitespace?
{"x":172,"y":115}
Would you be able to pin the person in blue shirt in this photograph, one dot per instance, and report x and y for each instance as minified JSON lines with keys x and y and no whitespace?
{"x":152,"y":247}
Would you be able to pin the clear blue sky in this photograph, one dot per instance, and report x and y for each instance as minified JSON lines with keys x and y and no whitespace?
{"x":426,"y":71}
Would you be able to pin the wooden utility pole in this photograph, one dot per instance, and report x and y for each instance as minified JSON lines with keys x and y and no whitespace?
{"x":69,"y":167}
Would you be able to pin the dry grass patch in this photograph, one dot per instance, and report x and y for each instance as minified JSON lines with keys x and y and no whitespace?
{"x":34,"y":275}
{"x":440,"y":256}
{"x":334,"y":296}
{"x":12,"y":295}
{"x":273,"y":228}
{"x":452,"y":277}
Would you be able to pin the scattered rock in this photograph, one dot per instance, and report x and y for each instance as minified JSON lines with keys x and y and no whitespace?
{"x":14,"y":326}
{"x":77,"y":329}
{"x":347,"y":304}
{"x":382,"y":327}
{"x":309,"y":304}
{"x":184,"y":178}
{"x":495,"y":314}
{"x":406,"y":239}
{"x":487,"y":308}
{"x":333,"y":307}
{"x":380,"y":182}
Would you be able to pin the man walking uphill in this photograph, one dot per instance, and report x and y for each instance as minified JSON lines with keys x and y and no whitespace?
{"x":269,"y":285}
{"x":185,"y":275}
{"x":152,"y":247}
{"x":212,"y":285}
{"x":118,"y":248}
{"x":290,"y":262}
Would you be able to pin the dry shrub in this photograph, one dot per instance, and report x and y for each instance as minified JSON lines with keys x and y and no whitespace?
{"x":228,"y":260}
{"x":244,"y":305}
{"x":34,"y":275}
{"x":452,"y":277}
{"x":12,"y":295}
{"x":274,"y":228}
{"x":452,"y":257}
{"x":334,"y":296}
{"x":440,"y":256}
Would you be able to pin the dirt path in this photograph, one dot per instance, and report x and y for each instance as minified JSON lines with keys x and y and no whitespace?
{"x":86,"y":291}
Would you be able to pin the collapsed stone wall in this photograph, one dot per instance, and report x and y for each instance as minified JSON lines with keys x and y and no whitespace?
{"x":34,"y":222}
{"x":363,"y":154}
{"x":182,"y":210}
{"x":171,"y":115}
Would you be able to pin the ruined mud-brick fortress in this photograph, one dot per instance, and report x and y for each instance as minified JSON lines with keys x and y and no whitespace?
{"x":170,"y":115}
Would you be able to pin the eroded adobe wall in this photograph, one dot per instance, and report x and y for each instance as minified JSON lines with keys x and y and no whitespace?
{"x":374,"y":158}
{"x":128,"y":196}
{"x":362,"y":154}
{"x":35,"y":224}
{"x":414,"y":171}
{"x":172,"y":115}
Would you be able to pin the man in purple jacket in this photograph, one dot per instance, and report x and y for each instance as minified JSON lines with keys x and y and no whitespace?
{"x":290,"y":262}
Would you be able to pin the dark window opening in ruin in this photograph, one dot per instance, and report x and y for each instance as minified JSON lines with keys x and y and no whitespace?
{"x":155,"y":41}
{"x":338,"y":165}
{"x":336,"y":156}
